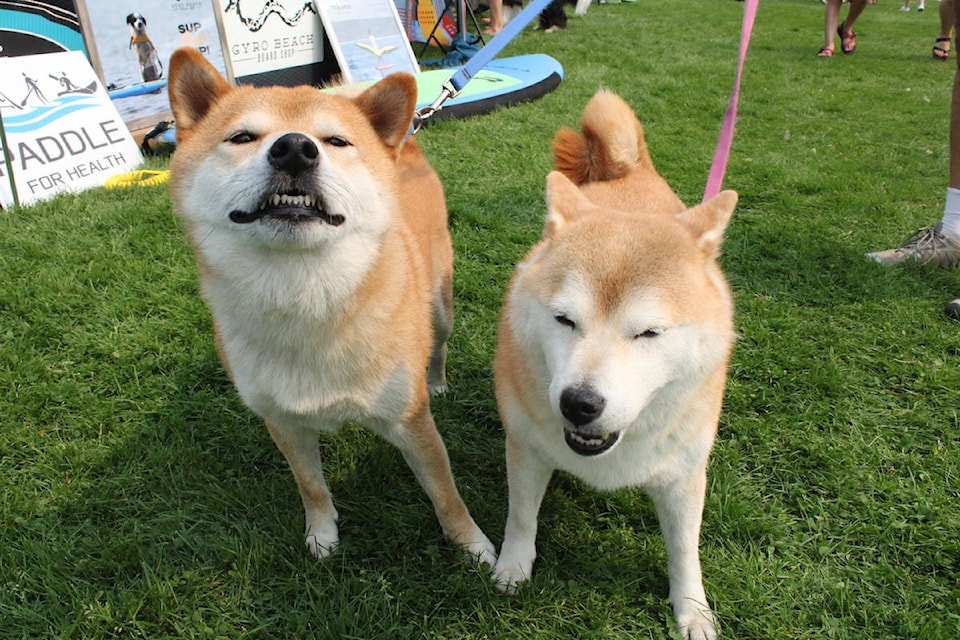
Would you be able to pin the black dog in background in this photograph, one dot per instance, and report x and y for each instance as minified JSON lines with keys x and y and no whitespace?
{"x":554,"y":17}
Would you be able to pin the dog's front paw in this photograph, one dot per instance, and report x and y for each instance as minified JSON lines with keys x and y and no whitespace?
{"x":321,"y":542}
{"x":697,"y":626}
{"x":515,"y":564}
{"x":483,"y":551}
{"x":321,"y":548}
{"x":437,"y":388}
{"x":475,"y":543}
{"x":508,"y":574}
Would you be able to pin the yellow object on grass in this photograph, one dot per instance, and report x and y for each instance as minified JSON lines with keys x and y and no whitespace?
{"x":141,"y":178}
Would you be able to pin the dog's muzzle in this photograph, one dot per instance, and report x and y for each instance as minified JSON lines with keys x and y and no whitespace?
{"x":582,"y":405}
{"x":292,"y":156}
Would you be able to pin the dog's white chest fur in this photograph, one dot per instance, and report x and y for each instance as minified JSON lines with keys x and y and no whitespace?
{"x":279,"y":322}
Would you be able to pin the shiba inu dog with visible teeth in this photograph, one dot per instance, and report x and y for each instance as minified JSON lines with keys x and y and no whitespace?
{"x":613,"y":346}
{"x":320,"y":230}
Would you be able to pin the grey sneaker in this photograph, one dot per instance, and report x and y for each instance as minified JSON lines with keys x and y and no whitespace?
{"x":927,"y":245}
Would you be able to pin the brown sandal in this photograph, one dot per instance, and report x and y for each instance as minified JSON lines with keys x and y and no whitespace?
{"x":939,"y":53}
{"x":825,"y":52}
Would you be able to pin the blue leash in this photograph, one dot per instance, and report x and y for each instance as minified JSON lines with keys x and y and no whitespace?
{"x":455,"y":83}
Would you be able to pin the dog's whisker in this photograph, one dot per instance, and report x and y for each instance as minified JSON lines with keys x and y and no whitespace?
{"x":200,"y":242}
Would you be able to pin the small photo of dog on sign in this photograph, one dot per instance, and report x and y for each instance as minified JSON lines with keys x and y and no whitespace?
{"x":150,"y":66}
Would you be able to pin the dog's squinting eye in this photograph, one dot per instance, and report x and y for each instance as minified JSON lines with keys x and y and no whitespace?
{"x":336,"y":141}
{"x":243,"y":137}
{"x":565,"y":321}
{"x":649,"y":333}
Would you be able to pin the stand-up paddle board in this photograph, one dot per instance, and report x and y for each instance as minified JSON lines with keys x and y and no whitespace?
{"x":139,"y":89}
{"x":501,"y":83}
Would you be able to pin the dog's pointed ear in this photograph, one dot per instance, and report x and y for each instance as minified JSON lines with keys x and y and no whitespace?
{"x":565,"y":203}
{"x":707,"y":221}
{"x":194,"y":86}
{"x":389,"y":106}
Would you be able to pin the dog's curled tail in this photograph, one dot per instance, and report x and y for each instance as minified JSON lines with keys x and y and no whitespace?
{"x":609,"y":145}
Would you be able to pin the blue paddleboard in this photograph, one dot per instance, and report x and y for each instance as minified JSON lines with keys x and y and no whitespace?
{"x":501,"y":83}
{"x":139,"y":89}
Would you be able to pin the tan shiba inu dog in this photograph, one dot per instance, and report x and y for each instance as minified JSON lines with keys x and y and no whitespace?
{"x":613,"y":346}
{"x":320,"y":232}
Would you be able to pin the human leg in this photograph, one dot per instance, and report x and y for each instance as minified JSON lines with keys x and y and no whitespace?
{"x":496,"y":17}
{"x":831,"y":18}
{"x":940,"y":243}
{"x":848,"y":37}
{"x":941,"y":48}
{"x":952,"y":309}
{"x":950,"y":223}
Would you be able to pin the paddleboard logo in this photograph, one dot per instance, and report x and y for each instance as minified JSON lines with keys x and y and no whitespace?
{"x":35,"y":110}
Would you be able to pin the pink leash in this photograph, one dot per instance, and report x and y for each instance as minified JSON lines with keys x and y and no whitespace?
{"x":725,"y":141}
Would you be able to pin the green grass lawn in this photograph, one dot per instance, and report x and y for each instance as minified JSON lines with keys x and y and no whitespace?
{"x":141,"y":500}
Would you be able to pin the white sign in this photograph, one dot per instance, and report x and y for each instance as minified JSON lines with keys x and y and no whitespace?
{"x":368,"y":38}
{"x":262,"y":36}
{"x":61,"y":130}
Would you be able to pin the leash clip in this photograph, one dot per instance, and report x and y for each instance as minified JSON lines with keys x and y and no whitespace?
{"x":423,"y":114}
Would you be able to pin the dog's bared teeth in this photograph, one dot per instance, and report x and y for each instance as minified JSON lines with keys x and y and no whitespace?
{"x":295,"y":207}
{"x":306,"y":201}
{"x":590,"y":442}
{"x":590,"y":445}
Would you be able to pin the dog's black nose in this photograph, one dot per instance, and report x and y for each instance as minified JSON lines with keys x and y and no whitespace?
{"x":581,"y":405}
{"x":293,"y":153}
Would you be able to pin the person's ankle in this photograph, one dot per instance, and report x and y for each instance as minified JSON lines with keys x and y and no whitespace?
{"x":950,"y":223}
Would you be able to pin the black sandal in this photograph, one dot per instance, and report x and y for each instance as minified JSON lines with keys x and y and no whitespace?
{"x":939,"y":53}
